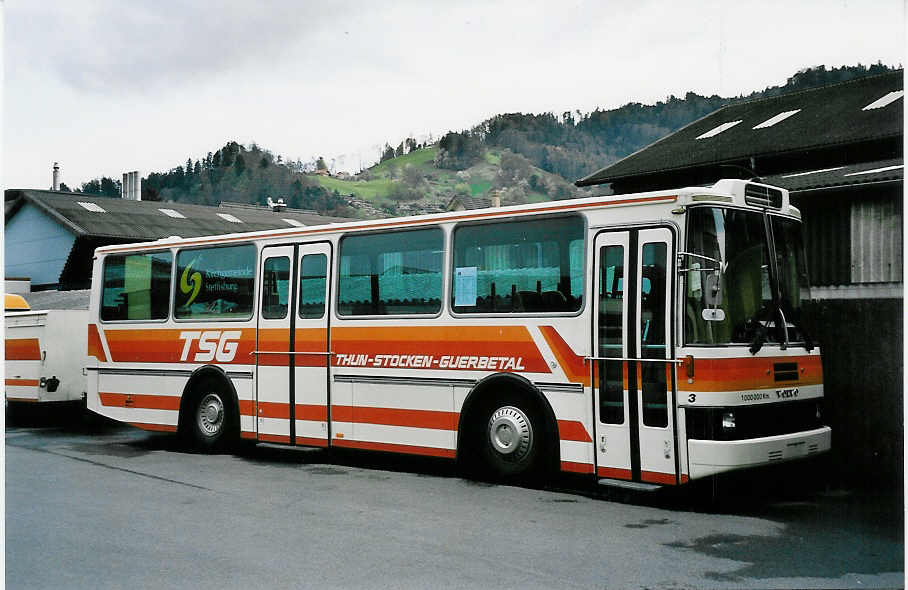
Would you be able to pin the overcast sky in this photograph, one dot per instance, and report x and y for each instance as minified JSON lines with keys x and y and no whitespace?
{"x":107,"y":86}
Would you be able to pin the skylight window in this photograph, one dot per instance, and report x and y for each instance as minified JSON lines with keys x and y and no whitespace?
{"x":292,"y":222}
{"x":172,"y":213}
{"x":875,"y":170}
{"x":229,"y":217}
{"x":777,"y":119}
{"x":716,"y":131}
{"x":884,"y":100}
{"x":813,"y":172}
{"x":94,"y":208}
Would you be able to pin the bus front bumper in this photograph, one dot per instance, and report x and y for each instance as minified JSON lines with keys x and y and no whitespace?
{"x":708,"y":457}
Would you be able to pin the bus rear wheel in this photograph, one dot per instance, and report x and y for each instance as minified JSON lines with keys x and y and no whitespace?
{"x":211,"y":421}
{"x":512,"y":439}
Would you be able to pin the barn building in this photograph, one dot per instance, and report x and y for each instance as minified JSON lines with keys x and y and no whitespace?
{"x":838,"y":149}
{"x":50,"y":236}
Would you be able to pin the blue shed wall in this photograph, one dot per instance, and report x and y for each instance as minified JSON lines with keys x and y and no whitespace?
{"x":37,"y":246}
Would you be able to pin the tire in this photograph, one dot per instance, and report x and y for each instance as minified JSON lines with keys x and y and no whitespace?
{"x":512,"y":439}
{"x":211,"y":421}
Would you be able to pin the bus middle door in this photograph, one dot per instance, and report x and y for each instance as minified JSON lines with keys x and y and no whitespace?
{"x":292,"y":349}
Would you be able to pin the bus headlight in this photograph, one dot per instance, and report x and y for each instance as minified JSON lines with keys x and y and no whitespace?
{"x":728,"y":420}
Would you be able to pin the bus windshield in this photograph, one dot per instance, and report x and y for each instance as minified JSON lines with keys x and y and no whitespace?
{"x":736,"y":265}
{"x":737,"y":240}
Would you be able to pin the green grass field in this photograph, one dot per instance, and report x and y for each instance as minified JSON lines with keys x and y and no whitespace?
{"x":477,"y":188}
{"x":417,"y":158}
{"x":369,"y":190}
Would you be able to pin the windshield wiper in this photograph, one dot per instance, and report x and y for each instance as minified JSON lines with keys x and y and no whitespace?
{"x":760,"y":335}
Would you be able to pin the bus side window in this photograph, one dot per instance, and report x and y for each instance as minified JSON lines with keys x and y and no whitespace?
{"x":275,"y":287}
{"x":313,"y":274}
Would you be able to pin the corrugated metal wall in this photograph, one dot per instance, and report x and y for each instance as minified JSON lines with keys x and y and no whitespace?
{"x":876,"y":241}
{"x":853,"y":237}
{"x":827,"y":226}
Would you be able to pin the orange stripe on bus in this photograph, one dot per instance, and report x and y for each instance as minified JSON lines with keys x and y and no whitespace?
{"x":395,"y":448}
{"x":248,"y":435}
{"x":575,"y":467}
{"x":274,"y":410}
{"x":575,"y":367}
{"x":436,"y":341}
{"x":23,"y":349}
{"x":95,"y":347}
{"x":738,"y":374}
{"x":274,"y":438}
{"x":656,"y":477}
{"x":23,"y":382}
{"x":309,"y":441}
{"x":139,"y":400}
{"x":281,"y":410}
{"x":573,"y":430}
{"x":21,"y":399}
{"x":614,"y":473}
{"x":154,"y":427}
{"x":438,"y":420}
{"x":165,"y":346}
{"x":313,"y":412}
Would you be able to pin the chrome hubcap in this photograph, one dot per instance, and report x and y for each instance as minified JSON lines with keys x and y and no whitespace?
{"x":211,"y":414}
{"x":510,"y":433}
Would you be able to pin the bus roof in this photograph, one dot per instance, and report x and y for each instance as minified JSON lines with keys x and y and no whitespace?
{"x":649,"y":198}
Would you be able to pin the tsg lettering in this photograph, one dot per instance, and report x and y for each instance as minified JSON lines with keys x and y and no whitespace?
{"x":212,"y":345}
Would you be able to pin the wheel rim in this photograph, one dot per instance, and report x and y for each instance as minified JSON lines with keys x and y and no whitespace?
{"x":210,"y":415}
{"x":510,"y":434}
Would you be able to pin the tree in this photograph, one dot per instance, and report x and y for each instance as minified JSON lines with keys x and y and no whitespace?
{"x":64,"y":188}
{"x":413,"y":176}
{"x":399,"y":151}
{"x":458,"y":151}
{"x":197,"y":169}
{"x":320,"y":164}
{"x":104,"y":186}
{"x":188,"y":167}
{"x":387,"y":153}
{"x":239,"y":165}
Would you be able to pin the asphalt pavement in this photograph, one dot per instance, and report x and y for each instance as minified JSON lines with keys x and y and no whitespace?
{"x":93,"y":504}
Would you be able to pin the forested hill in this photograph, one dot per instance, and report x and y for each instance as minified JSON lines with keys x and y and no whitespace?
{"x":525,"y":157}
{"x":573,"y":145}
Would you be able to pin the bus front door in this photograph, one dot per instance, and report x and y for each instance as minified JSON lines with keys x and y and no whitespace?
{"x":633,"y":368}
{"x":292,"y":347}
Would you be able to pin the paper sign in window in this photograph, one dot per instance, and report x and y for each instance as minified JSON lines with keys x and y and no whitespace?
{"x":465,"y":286}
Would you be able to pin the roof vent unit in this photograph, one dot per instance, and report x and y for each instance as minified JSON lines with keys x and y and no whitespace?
{"x":277,"y":207}
{"x":762,"y":196}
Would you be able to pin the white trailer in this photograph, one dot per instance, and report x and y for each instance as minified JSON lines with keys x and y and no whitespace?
{"x":46,"y":355}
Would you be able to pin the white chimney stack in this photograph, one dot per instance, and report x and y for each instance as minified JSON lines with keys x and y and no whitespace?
{"x":56,"y":186}
{"x":131,"y":189}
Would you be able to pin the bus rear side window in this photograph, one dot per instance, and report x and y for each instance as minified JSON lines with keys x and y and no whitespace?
{"x":136,"y":287}
{"x":519,"y":267}
{"x":215,"y":283}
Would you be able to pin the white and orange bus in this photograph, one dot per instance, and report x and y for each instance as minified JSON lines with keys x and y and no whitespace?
{"x":651,"y":338}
